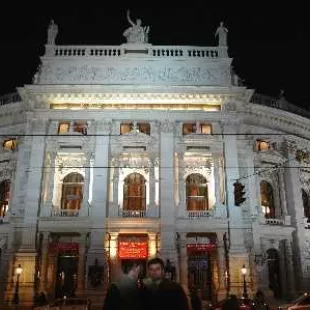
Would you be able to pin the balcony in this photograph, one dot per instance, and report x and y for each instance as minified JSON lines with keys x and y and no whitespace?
{"x":197,"y":214}
{"x":49,"y":211}
{"x":116,"y":211}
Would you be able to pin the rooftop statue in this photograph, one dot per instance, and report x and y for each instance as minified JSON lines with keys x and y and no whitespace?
{"x":221,"y":32}
{"x":52,"y":32}
{"x":136,"y":33}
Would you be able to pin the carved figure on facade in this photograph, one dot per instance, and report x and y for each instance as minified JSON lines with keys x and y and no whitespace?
{"x":136,"y":33}
{"x":221,"y":33}
{"x":167,"y":126}
{"x":52,"y":32}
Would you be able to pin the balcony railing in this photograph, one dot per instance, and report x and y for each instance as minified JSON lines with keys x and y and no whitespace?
{"x":132,"y":213}
{"x":272,"y":221}
{"x":199,"y":214}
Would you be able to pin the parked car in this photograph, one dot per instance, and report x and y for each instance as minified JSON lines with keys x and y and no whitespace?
{"x":69,"y":303}
{"x":301,"y":303}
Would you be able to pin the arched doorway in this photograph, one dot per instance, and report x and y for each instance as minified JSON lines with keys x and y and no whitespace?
{"x":196,"y":192}
{"x":72,"y":193}
{"x":274,"y":272}
{"x":134,"y":193}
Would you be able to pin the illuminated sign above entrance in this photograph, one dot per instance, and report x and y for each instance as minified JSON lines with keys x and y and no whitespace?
{"x":132,"y":249}
{"x":200,"y":247}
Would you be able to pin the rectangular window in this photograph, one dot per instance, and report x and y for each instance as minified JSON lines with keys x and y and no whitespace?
{"x":126,"y":128}
{"x":206,"y":129}
{"x":10,"y":144}
{"x":189,"y":128}
{"x":262,"y":145}
{"x":63,"y":127}
{"x":144,"y":128}
{"x":80,"y":127}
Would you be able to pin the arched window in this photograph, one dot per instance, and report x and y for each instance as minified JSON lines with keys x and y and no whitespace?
{"x":306,"y":204}
{"x":4,"y":196}
{"x":267,"y":201}
{"x":72,"y":191}
{"x":196,"y":192}
{"x":134,"y":192}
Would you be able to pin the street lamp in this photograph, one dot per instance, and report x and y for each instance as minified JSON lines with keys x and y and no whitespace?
{"x":243,"y":271}
{"x":18,"y":272}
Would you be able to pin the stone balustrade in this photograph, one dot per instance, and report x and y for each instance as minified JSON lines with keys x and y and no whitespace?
{"x":146,"y":50}
{"x":272,"y":221}
{"x":199,"y":214}
{"x":9,"y":98}
{"x":280,"y":104}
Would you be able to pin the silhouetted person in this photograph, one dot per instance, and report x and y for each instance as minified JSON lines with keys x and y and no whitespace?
{"x":124,"y":293}
{"x":162,"y":293}
{"x":231,"y":303}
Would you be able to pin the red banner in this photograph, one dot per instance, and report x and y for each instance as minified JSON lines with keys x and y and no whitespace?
{"x":203,"y":247}
{"x":132,"y":249}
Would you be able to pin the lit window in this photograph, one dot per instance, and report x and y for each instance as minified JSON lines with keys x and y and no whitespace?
{"x":126,"y":128}
{"x":10,"y":144}
{"x":80,"y":127}
{"x":189,"y":128}
{"x":262,"y":145}
{"x":63,"y":127}
{"x":206,"y":129}
{"x":144,"y":128}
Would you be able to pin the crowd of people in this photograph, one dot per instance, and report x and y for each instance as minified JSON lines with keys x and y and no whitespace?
{"x":153,"y":292}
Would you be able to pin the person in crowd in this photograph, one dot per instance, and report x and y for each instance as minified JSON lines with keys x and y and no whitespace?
{"x":125,"y":293}
{"x":160,"y":292}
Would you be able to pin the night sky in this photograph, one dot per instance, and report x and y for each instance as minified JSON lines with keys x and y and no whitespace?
{"x":269,"y":44}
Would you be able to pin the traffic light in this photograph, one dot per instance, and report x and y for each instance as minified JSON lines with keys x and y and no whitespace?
{"x":239,"y":193}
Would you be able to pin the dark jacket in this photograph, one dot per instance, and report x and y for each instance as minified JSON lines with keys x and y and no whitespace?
{"x":168,"y":295}
{"x":124,"y":294}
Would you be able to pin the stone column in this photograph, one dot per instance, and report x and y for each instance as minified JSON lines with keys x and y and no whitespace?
{"x":292,"y":183}
{"x":183,"y":262}
{"x":114,"y":263}
{"x":167,"y":200}
{"x":101,"y":164}
{"x":152,"y":246}
{"x":85,"y":204}
{"x":81,"y":263}
{"x":182,"y":187}
{"x":48,"y":205}
{"x":290,"y":283}
{"x":221,"y":267}
{"x":217,"y":178}
{"x":44,"y":262}
{"x":232,"y":174}
{"x":152,"y":185}
{"x":116,"y":209}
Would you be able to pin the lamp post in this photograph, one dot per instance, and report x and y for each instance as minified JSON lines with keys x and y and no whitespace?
{"x":18,"y":272}
{"x":244,"y":271}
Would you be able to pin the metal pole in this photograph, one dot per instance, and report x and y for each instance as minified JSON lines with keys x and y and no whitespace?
{"x":245,"y":293}
{"x":16,"y":295}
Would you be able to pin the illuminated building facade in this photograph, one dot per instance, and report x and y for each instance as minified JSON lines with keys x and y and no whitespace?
{"x":130,"y":152}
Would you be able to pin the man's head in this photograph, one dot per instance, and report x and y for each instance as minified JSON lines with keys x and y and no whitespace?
{"x":155,"y":267}
{"x":138,"y":22}
{"x":132,"y":269}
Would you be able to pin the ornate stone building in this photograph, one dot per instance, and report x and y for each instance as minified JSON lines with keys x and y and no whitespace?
{"x":132,"y":151}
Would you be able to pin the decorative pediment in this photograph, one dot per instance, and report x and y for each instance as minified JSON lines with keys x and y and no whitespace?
{"x":270,"y":157}
{"x":135,"y":139}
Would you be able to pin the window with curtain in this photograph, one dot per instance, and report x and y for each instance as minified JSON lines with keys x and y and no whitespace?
{"x":306,"y":204}
{"x":72,"y":191}
{"x":134,"y":193}
{"x":196,"y":192}
{"x":267,"y":200}
{"x":4,"y":196}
